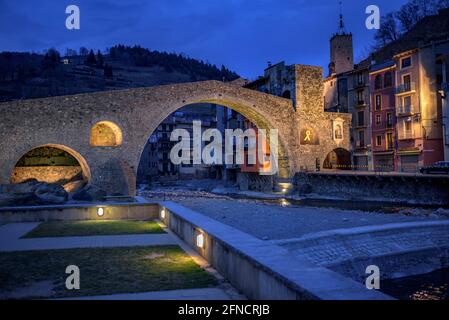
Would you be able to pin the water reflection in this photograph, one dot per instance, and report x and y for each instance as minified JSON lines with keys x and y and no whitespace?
{"x":285,"y":203}
{"x":429,"y":286}
{"x":368,"y":206}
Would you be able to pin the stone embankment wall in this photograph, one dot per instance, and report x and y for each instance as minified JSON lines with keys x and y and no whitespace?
{"x":406,"y":188}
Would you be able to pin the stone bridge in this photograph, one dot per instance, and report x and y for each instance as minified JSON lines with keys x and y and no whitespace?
{"x":69,"y":123}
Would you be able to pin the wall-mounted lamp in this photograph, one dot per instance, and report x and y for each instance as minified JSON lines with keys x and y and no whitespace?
{"x":200,"y":240}
{"x":100,"y":212}
{"x":285,"y":187}
{"x":163,"y":213}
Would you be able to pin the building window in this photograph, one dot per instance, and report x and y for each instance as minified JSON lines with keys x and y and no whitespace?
{"x":361,"y":118}
{"x":378,"y":103}
{"x":378,"y":82}
{"x":360,"y":79}
{"x":378,"y":119}
{"x":389,"y":141}
{"x":389,"y":120}
{"x":407,"y":101}
{"x":407,"y":82}
{"x":408,"y":125}
{"x":361,"y":142}
{"x":388,"y":80}
{"x":406,"y":62}
{"x":360,"y":98}
{"x":378,"y":141}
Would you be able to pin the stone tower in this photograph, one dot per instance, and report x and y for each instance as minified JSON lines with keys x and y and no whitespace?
{"x":342,"y":52}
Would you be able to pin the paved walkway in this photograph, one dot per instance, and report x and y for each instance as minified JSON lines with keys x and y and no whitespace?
{"x":10,"y":240}
{"x":187,"y":294}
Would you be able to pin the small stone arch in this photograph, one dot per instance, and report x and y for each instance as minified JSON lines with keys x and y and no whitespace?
{"x":338,"y":159}
{"x":53,"y":163}
{"x":106,"y":134}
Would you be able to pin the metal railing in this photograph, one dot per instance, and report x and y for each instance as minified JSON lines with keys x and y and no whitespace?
{"x":405,"y":109}
{"x":360,"y":103}
{"x":406,"y":135}
{"x":406,"y":87}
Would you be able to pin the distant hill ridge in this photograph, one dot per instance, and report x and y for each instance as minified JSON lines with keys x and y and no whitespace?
{"x":31,"y":75}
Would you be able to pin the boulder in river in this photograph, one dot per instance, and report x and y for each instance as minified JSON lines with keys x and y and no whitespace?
{"x":32,"y":192}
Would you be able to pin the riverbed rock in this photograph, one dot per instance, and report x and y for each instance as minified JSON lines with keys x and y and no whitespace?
{"x":15,"y":199}
{"x":51,"y":194}
{"x":32,"y":192}
{"x":89,"y":193}
{"x":442,"y":213}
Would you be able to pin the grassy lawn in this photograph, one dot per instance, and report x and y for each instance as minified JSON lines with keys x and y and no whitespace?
{"x":93,"y":228}
{"x":102,"y":271}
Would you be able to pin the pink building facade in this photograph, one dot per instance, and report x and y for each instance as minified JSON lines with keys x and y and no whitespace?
{"x":383,"y":117}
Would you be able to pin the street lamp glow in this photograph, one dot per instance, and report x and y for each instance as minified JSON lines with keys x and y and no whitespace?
{"x":100,"y":212}
{"x":200,"y":240}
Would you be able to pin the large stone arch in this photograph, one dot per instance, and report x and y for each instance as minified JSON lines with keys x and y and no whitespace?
{"x":249,"y":111}
{"x":67,"y":121}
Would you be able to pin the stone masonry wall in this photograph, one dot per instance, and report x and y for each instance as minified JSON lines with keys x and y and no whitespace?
{"x":49,"y":174}
{"x":397,"y":188}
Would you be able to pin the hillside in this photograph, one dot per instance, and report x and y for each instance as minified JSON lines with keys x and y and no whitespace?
{"x":430,"y":29}
{"x":30,"y":75}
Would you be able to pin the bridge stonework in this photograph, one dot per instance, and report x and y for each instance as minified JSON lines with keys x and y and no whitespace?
{"x":66,"y":122}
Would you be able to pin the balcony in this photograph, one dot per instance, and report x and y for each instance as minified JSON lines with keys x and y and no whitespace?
{"x":407,"y":135}
{"x":390,"y":146}
{"x":406,"y":88}
{"x":361,"y":124}
{"x":360,"y":103}
{"x":360,"y":145}
{"x":358,"y":84}
{"x":407,"y":110}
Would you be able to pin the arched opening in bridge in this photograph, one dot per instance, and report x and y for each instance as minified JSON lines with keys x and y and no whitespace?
{"x":338,"y":159}
{"x":156,"y":168}
{"x":105,"y":134}
{"x":53,"y":164}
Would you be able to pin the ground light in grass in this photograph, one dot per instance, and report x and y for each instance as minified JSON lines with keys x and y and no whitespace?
{"x":93,"y":228}
{"x":102,"y":271}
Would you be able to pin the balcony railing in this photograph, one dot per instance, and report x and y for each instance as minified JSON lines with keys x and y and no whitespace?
{"x":359,"y":102}
{"x":360,"y":145}
{"x":405,"y":110}
{"x":407,"y":135}
{"x":360,"y":124}
{"x":406,"y":87}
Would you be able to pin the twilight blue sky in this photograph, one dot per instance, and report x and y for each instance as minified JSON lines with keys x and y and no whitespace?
{"x":241,"y":34}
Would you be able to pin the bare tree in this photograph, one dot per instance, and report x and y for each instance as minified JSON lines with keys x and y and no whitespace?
{"x":389,"y":30}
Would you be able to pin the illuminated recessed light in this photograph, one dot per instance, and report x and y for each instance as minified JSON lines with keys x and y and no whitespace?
{"x":100,"y":212}
{"x":200,"y":240}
